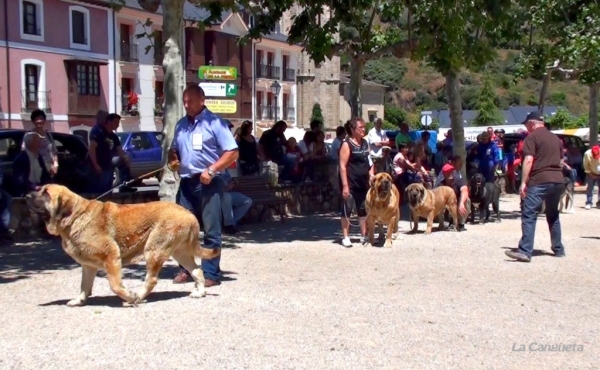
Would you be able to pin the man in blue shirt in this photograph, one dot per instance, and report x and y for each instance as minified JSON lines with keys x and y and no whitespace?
{"x":204,"y":147}
{"x":488,"y":157}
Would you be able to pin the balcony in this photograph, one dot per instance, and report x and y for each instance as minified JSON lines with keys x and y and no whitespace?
{"x":129,"y":52}
{"x":270,"y":72}
{"x":32,"y":100}
{"x":289,"y":75}
{"x":159,"y":106}
{"x":87,"y":105}
{"x":290,"y":113}
{"x":129,"y":106}
{"x":265,"y":112}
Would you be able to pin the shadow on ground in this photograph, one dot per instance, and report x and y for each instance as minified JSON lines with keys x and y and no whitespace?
{"x":21,"y":260}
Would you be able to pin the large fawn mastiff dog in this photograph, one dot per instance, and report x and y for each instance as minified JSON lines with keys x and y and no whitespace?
{"x":383,"y":206}
{"x":431,"y":204}
{"x":104,"y":235}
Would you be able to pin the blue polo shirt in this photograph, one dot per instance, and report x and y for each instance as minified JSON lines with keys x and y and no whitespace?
{"x":201,"y":142}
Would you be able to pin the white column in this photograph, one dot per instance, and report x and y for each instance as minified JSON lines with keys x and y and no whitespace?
{"x":112,"y":78}
{"x":294,"y":103}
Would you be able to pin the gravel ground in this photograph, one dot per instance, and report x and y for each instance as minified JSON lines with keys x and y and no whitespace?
{"x":294,"y":299}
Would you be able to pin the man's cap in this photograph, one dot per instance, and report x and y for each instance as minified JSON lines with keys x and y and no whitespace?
{"x":385,"y":147}
{"x":448,"y":168}
{"x":596,"y":151}
{"x":534,"y":116}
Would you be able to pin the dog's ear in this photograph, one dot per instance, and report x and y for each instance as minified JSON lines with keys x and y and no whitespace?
{"x":55,"y":208}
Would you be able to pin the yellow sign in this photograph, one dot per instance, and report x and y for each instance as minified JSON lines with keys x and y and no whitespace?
{"x":221,"y":106}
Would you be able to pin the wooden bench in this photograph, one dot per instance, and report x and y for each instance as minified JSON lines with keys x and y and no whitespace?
{"x":257,"y":188}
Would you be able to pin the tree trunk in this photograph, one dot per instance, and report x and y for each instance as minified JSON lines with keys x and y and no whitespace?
{"x":594,"y":92}
{"x":357,"y":67}
{"x":173,"y":87}
{"x":456,"y":118}
{"x":544,"y":91}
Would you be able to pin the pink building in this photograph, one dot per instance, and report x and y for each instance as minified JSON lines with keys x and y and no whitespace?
{"x":55,"y":56}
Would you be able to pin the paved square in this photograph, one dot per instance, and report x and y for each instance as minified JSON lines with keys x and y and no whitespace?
{"x":294,"y":299}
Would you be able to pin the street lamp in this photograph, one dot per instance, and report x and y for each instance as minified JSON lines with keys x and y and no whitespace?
{"x":275,"y":89}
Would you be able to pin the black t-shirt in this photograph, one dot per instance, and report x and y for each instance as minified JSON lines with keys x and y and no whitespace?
{"x":107,"y":142}
{"x":546,"y":149}
{"x":272,"y":144}
{"x":358,"y":167}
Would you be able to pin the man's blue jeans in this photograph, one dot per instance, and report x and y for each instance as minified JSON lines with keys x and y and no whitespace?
{"x":536,"y":195}
{"x":5,"y":202}
{"x":234,"y":206}
{"x":590,"y":182}
{"x":205,"y":202}
{"x":101,"y":182}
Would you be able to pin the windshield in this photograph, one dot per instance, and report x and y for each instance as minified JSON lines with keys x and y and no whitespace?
{"x":122,"y":136}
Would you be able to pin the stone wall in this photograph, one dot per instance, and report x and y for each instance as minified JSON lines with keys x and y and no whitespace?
{"x":28,"y":225}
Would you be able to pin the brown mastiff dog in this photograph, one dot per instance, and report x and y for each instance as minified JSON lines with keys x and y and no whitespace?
{"x":431,"y":203}
{"x":383,"y":207}
{"x":105,"y":235}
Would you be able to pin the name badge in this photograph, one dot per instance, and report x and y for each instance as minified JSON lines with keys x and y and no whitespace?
{"x":197,"y":141}
{"x":487,"y":152}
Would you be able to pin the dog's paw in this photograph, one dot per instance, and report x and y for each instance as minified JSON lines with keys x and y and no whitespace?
{"x":199,"y":293}
{"x":388,"y":244}
{"x":76,"y":303}
{"x":498,"y":220}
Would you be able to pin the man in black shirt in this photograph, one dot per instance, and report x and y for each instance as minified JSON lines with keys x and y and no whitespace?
{"x":271,"y":148}
{"x":104,"y":143}
{"x":460,"y":188}
{"x":542,"y":181}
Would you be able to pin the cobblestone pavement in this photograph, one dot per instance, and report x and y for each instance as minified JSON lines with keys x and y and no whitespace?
{"x":294,"y":299}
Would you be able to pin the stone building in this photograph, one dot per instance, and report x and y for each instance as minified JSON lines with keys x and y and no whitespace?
{"x":316,"y":84}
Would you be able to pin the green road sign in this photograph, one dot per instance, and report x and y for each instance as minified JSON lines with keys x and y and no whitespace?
{"x":219,"y":89}
{"x":217,"y":73}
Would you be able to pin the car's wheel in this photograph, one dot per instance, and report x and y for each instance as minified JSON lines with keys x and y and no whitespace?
{"x":116,"y":177}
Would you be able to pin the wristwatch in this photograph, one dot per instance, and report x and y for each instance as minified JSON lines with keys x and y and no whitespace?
{"x":211,"y":171}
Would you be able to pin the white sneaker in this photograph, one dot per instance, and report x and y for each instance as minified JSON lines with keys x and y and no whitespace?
{"x":346,"y":242}
{"x":588,"y":206}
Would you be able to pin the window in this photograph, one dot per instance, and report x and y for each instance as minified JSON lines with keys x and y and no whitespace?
{"x":141,"y":141}
{"x":32,"y":20}
{"x":88,"y":79}
{"x":32,"y":80}
{"x":79,"y":27}
{"x":372,"y":116}
{"x":9,"y":149}
{"x":251,"y":21}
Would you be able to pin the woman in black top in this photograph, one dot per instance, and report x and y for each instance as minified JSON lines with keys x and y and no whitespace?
{"x":249,"y":164}
{"x":356,"y":173}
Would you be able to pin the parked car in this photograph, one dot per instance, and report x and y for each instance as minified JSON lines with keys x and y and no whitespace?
{"x":72,"y":158}
{"x":145,"y":152}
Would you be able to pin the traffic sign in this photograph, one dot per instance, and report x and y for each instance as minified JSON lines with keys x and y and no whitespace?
{"x":219,"y":90}
{"x":217,"y":73}
{"x":426,"y":120}
{"x":221,"y":106}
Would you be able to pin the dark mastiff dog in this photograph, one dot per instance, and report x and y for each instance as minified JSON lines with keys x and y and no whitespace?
{"x":484,"y":193}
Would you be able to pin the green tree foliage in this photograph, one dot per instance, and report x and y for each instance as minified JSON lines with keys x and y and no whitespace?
{"x":562,"y":119}
{"x":387,"y":71}
{"x":488,"y":113}
{"x":317,"y":113}
{"x":394,"y":115}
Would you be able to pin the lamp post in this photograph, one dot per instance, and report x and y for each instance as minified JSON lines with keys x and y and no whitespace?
{"x":275,"y":89}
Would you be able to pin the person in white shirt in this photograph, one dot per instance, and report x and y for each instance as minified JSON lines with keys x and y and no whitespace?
{"x":377,"y":139}
{"x":340,"y":135}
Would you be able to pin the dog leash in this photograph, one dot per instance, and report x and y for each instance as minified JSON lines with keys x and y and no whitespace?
{"x":126,"y":183}
{"x":348,"y":218}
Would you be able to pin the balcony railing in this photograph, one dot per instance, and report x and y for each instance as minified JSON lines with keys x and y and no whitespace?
{"x":289,"y":74}
{"x":159,"y":106}
{"x":32,"y":100}
{"x":290,"y":113}
{"x":270,"y":72}
{"x":128,"y":109}
{"x":129,"y":52}
{"x":266,"y":112}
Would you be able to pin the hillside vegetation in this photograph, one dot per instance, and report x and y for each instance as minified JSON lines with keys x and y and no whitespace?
{"x":415,"y":87}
